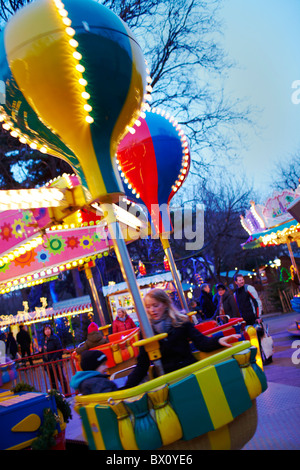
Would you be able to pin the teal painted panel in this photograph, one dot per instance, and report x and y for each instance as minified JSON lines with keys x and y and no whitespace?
{"x":147,"y":434}
{"x":234,"y":386}
{"x":87,"y":428}
{"x":189,"y":405}
{"x":108,"y":425}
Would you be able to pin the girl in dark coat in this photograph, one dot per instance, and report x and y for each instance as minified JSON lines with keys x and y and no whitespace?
{"x":175,"y":349}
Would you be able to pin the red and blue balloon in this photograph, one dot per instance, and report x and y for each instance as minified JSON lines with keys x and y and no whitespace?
{"x":154,"y":162}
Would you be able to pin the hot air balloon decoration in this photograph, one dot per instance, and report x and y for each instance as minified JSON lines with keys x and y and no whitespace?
{"x":76,"y":81}
{"x":154,"y":162}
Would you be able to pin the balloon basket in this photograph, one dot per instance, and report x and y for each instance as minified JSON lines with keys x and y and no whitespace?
{"x":206,"y":405}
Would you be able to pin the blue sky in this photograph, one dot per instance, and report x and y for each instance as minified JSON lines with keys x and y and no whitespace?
{"x":263,"y":37}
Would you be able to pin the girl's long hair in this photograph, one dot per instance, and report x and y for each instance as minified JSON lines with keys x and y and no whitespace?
{"x":161,"y":296}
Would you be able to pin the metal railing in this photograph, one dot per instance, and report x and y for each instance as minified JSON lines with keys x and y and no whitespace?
{"x":34,"y":371}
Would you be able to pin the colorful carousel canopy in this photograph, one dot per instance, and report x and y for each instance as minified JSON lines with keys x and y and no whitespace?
{"x":163,"y":278}
{"x":35,"y":247}
{"x":60,"y":309}
{"x":294,"y":209}
{"x":272,"y":223}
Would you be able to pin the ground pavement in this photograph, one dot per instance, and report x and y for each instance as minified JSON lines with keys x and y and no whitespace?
{"x":278,"y":407}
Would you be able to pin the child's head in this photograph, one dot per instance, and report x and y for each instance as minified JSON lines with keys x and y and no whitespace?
{"x":94,"y":360}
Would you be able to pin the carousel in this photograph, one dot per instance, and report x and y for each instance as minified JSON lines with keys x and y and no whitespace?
{"x":76,"y":84}
{"x":277,"y":222}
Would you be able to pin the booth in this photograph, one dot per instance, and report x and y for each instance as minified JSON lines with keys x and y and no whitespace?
{"x":119,"y":296}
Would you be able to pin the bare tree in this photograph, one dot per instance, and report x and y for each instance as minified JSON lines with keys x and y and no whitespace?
{"x":225,"y":198}
{"x":286,"y":174}
{"x":179,"y":39}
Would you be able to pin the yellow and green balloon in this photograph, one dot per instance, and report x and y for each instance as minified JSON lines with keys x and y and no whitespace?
{"x":75,"y":80}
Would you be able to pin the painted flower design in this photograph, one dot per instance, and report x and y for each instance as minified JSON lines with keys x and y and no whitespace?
{"x":27,"y":217}
{"x":6,"y":231}
{"x":4,"y":268}
{"x":18,"y":228}
{"x":43,"y":256}
{"x":72,"y":242}
{"x":55,"y":244}
{"x":26,"y":259}
{"x":99,"y":236}
{"x":86,"y":242}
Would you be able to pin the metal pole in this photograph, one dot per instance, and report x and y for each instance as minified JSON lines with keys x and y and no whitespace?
{"x":293,"y":259}
{"x":89,"y":276}
{"x":129,"y":275}
{"x":169,"y":255}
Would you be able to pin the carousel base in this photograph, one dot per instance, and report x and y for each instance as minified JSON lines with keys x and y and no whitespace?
{"x":294,"y":329}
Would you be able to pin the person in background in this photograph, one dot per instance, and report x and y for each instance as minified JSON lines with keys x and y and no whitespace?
{"x":248,"y":301}
{"x":94,"y":338}
{"x":93,"y":377}
{"x":194,"y":307}
{"x":122,"y":321}
{"x":206,"y":303}
{"x":11,"y":347}
{"x":24,"y":340}
{"x":175,"y":348}
{"x":52,"y":354}
{"x":225,"y":303}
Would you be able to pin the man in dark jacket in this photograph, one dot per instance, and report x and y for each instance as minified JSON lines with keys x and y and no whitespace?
{"x":52,"y":349}
{"x":93,"y":377}
{"x":24,"y":340}
{"x":248,"y":301}
{"x":11,"y":345}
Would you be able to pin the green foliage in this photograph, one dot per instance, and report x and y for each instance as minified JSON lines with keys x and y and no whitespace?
{"x":46,"y":439}
{"x":23,"y":387}
{"x":62,"y":404}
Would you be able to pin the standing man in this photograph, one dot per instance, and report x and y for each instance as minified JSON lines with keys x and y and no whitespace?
{"x":24,"y":340}
{"x":248,"y":301}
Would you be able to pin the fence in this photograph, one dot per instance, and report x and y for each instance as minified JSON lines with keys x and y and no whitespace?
{"x":46,"y":375}
{"x":286,"y":297}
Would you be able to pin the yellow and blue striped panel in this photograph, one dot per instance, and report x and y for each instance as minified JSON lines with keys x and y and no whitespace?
{"x":101,"y":427}
{"x":209,"y":398}
{"x":206,"y":402}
